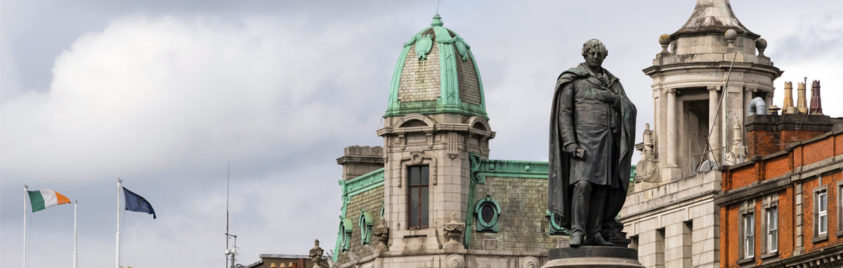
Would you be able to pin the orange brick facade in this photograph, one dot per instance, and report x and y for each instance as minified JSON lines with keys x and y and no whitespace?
{"x":789,"y":176}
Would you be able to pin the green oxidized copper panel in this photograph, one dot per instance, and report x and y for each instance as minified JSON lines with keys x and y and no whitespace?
{"x":447,"y":62}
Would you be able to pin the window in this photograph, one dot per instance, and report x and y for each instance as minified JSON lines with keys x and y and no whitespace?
{"x":418,"y":197}
{"x":660,"y":257}
{"x":344,"y":238}
{"x":749,"y":235}
{"x":746,"y":232}
{"x":487,"y":211}
{"x":822,"y":213}
{"x":365,"y":222}
{"x":772,"y":229}
{"x":839,"y":208}
{"x":687,"y":243}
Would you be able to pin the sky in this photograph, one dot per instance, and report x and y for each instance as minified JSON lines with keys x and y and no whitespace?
{"x":164,"y":94}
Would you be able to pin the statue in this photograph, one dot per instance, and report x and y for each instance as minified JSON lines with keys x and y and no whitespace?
{"x":592,"y":133}
{"x":316,"y":256}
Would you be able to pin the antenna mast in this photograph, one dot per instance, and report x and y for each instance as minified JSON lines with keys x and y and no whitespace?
{"x":229,"y":252}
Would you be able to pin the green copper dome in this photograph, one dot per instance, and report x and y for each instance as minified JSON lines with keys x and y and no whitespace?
{"x":436,"y":73}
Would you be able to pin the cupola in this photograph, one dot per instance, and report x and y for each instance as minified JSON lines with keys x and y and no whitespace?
{"x":436,"y":73}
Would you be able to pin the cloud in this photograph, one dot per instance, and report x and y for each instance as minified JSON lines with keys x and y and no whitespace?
{"x":152,"y":93}
{"x":165,"y":100}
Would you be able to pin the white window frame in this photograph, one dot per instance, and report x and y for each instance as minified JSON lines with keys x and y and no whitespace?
{"x":748,"y":235}
{"x":822,"y":213}
{"x":772,"y":215}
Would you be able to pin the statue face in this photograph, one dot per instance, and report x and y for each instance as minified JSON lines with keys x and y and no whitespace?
{"x":594,"y":58}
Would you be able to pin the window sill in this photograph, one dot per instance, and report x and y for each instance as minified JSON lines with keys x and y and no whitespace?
{"x":820,"y":238}
{"x":840,"y":233}
{"x":746,"y":260}
{"x":770,"y":255}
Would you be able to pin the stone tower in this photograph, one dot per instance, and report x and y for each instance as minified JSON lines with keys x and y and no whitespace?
{"x":434,"y":121}
{"x":671,"y":216}
{"x":690,"y":93}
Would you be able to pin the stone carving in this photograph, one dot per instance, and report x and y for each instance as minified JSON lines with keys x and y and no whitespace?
{"x":647,"y":168}
{"x":590,"y":149}
{"x":453,"y":231}
{"x":454,"y":261}
{"x":529,"y":262}
{"x":316,"y":256}
{"x":381,"y":234}
{"x":737,"y":153}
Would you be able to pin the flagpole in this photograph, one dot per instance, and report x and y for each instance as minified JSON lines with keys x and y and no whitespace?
{"x":75,"y":227}
{"x":25,"y":194}
{"x":117,"y":247}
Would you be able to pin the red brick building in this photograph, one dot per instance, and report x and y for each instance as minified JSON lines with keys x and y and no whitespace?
{"x":784,"y":206}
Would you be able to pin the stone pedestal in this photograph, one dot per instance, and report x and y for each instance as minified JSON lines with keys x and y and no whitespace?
{"x":593,"y":257}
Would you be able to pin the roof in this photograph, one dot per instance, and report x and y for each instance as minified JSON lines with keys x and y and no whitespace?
{"x":712,"y":17}
{"x":436,"y":73}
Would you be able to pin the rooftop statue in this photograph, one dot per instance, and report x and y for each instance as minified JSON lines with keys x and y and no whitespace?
{"x":592,"y":133}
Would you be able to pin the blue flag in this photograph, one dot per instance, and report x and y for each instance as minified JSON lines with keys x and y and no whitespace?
{"x":135,"y":202}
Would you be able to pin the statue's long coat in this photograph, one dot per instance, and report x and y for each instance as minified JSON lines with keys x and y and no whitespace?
{"x":608,"y":155}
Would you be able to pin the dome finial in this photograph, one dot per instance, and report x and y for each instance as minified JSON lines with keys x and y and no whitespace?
{"x":437,"y":20}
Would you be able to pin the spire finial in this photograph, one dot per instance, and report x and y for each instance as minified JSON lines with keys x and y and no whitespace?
{"x":437,"y":20}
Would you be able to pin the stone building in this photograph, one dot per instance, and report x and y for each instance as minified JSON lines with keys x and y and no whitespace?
{"x":430,"y":197}
{"x":704,"y":81}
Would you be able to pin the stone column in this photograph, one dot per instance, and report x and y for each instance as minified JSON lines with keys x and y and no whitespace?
{"x":672,"y":130}
{"x":714,"y":122}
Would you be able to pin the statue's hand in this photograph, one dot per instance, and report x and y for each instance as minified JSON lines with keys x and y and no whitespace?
{"x":575,"y":151}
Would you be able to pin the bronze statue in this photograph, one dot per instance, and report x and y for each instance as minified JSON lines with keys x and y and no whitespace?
{"x":592,"y":133}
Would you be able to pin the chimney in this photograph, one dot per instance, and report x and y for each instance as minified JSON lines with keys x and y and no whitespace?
{"x":816,"y":101}
{"x":766,"y":134}
{"x":359,"y":160}
{"x":787,"y":107}
{"x":801,"y":106}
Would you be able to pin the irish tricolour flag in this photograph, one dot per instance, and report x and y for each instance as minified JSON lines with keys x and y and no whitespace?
{"x":45,"y":198}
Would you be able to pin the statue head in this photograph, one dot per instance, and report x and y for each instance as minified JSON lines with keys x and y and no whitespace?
{"x":594,"y":52}
{"x":316,"y":243}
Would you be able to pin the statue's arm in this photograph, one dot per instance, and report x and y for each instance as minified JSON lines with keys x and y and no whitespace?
{"x":565,"y":106}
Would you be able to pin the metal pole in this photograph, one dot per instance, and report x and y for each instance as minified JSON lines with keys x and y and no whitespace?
{"x":25,"y":195}
{"x":117,"y":238}
{"x":227,"y":186}
{"x":75,"y":243}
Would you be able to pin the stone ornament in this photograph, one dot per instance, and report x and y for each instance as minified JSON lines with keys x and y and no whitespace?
{"x":316,"y":256}
{"x":761,"y":45}
{"x":454,"y":261}
{"x":381,"y":234}
{"x":453,"y":231}
{"x":529,"y":262}
{"x":737,"y":154}
{"x":647,"y":168}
